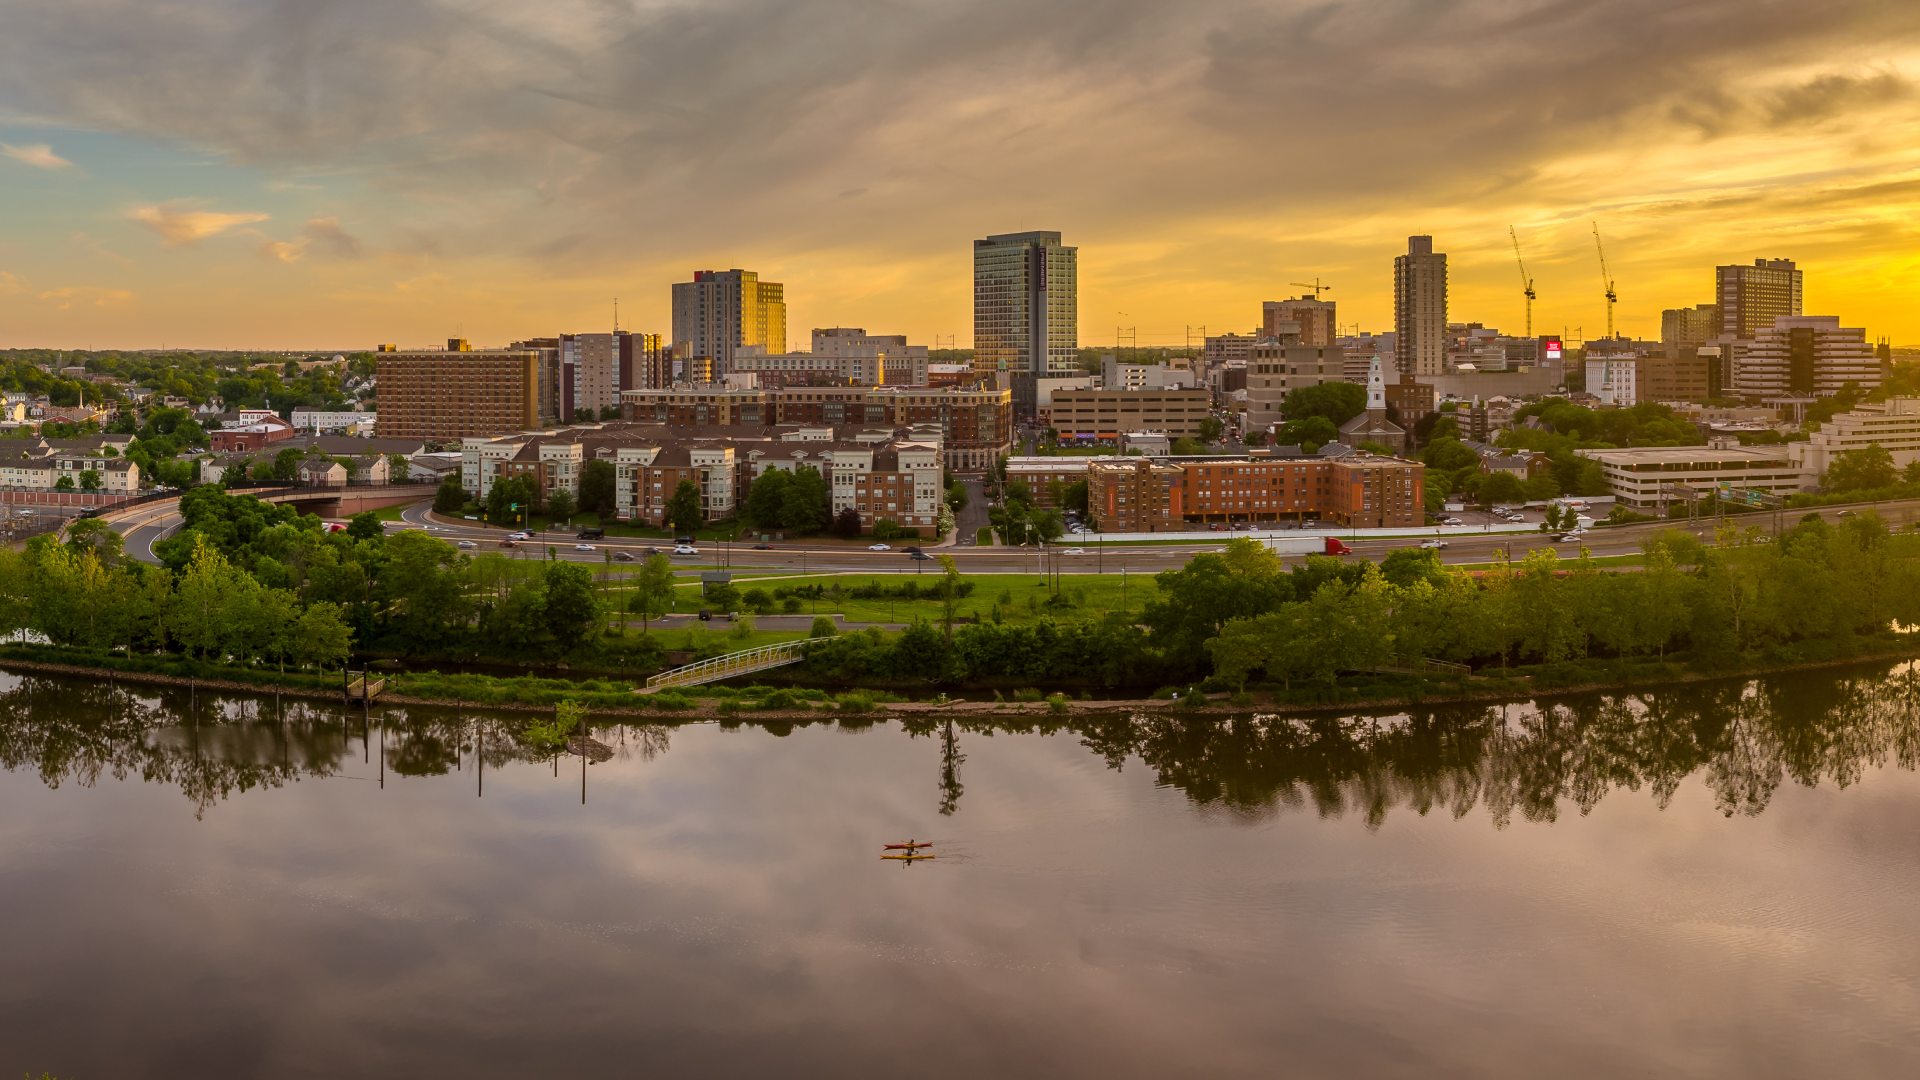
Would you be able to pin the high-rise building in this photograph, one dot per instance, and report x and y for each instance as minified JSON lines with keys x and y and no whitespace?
{"x":1795,"y":358}
{"x":1696,"y":325}
{"x":458,"y":393}
{"x":1309,"y":317}
{"x":1420,"y":308}
{"x":891,"y":360}
{"x":720,"y":311}
{"x":1025,"y":312}
{"x":1752,"y":297}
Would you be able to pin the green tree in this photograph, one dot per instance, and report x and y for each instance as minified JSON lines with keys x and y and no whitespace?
{"x":560,"y":506}
{"x":509,"y":499}
{"x":1866,"y":469}
{"x":766,"y":499}
{"x":200,"y":617}
{"x":365,"y":525}
{"x":1337,"y":402}
{"x":449,"y":497}
{"x":1196,"y":600}
{"x":1309,"y":433}
{"x":286,"y":464}
{"x":321,"y":637}
{"x":806,"y":506}
{"x":572,"y":610}
{"x":652,"y":590}
{"x":65,"y":483}
{"x":1211,"y":428}
{"x":1501,"y":487}
{"x":684,"y":515}
{"x":90,"y":480}
{"x":598,"y":488}
{"x":957,"y":496}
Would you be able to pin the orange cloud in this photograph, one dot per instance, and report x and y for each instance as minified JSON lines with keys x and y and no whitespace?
{"x":38,"y":155}
{"x":180,"y":225}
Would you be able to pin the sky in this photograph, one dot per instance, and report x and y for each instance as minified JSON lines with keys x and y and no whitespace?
{"x":310,"y":174}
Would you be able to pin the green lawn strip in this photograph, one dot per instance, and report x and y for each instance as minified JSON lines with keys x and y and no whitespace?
{"x":1025,"y":596}
{"x":1566,"y":562}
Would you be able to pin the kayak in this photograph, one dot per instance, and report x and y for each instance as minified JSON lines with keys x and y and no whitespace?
{"x":909,"y":845}
{"x":904,"y":857}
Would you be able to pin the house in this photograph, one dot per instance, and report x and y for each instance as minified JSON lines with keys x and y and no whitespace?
{"x":322,"y":472}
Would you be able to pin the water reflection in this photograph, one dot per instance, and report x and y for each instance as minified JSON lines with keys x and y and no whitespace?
{"x":1743,"y":739}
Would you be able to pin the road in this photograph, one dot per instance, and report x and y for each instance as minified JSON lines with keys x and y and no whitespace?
{"x":813,"y":556}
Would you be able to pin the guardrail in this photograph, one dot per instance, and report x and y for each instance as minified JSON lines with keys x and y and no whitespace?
{"x":744,"y":662}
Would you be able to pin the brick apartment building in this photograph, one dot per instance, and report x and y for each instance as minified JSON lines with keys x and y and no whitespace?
{"x":1160,"y":495}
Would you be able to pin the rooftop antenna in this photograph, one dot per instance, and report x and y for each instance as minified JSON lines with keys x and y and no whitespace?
{"x":616,"y":314}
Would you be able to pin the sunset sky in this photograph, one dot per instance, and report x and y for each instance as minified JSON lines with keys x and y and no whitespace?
{"x":336,"y":173}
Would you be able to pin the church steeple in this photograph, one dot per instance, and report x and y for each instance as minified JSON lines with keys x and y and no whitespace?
{"x":1376,"y":388}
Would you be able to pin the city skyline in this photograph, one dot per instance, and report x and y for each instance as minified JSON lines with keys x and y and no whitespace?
{"x":343,"y":175}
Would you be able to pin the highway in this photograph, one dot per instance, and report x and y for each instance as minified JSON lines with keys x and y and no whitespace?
{"x":1465,"y":545}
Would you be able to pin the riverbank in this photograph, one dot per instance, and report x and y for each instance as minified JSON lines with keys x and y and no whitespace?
{"x":610,"y":699}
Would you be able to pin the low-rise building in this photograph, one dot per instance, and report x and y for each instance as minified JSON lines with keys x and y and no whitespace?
{"x":1355,"y":490}
{"x":1046,"y":477}
{"x":1106,"y":414}
{"x":333,"y":422}
{"x":1655,"y":477}
{"x":1893,"y":425}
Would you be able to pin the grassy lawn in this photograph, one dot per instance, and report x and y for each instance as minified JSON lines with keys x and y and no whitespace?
{"x":1566,"y":562}
{"x":1021,"y":597}
{"x":388,"y":513}
{"x":983,"y":537}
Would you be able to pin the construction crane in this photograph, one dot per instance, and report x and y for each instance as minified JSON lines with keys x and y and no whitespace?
{"x":1605,"y":278}
{"x":1316,"y":287}
{"x":1526,"y":283}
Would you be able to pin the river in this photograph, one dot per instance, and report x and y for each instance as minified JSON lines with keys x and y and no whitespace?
{"x":1711,"y":881}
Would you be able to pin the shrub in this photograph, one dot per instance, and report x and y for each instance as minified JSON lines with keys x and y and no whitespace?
{"x":790,"y":605}
{"x":823,"y":627}
{"x":1057,"y":704}
{"x":742,"y":627}
{"x":758,"y":601}
{"x":1028,"y":694}
{"x":854,"y":702}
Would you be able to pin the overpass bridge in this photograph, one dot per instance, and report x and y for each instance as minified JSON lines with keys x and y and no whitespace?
{"x":151,"y":517}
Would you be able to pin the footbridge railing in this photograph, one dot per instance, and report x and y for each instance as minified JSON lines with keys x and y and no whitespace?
{"x":744,"y":662}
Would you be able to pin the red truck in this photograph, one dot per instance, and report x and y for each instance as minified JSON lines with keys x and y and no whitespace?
{"x":1335,"y":547}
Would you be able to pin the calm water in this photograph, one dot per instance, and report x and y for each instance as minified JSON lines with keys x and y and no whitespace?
{"x":1720,"y":882}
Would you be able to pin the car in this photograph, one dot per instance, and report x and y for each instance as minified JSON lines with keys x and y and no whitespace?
{"x":919,"y":556}
{"x":649,"y":552}
{"x":763,"y":547}
{"x":1565,"y":537}
{"x":1846,"y":513}
{"x":684,"y":549}
{"x":470,"y":517}
{"x":1074,"y":551}
{"x":583,"y":547}
{"x":623,"y":556}
{"x":519,"y":536}
{"x":1450,"y":521}
{"x":1433,"y":545}
{"x":879,"y":547}
{"x":466,"y":544}
{"x":911,"y":548}
{"x":509,"y":543}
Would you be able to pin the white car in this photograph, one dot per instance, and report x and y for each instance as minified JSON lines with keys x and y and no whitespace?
{"x":1074,"y":551}
{"x":1450,"y":521}
{"x":878,"y":547}
{"x":519,"y":536}
{"x":1433,"y":545}
{"x":684,"y":549}
{"x":583,"y":547}
{"x":466,"y":544}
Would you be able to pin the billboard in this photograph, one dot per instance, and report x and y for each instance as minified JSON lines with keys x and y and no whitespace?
{"x":1551,"y":347}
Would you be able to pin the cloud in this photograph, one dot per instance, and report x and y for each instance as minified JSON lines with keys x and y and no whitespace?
{"x":72,"y":296}
{"x":11,"y":285}
{"x":38,"y":155}
{"x":180,"y":224}
{"x":326,"y":236}
{"x":1195,"y":142}
{"x":322,"y":234}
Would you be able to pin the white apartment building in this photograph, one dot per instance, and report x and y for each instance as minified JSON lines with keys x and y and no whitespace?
{"x":320,"y":422}
{"x":1893,"y":425}
{"x":1803,"y":357}
{"x":1615,"y":380}
{"x":1654,"y":477}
